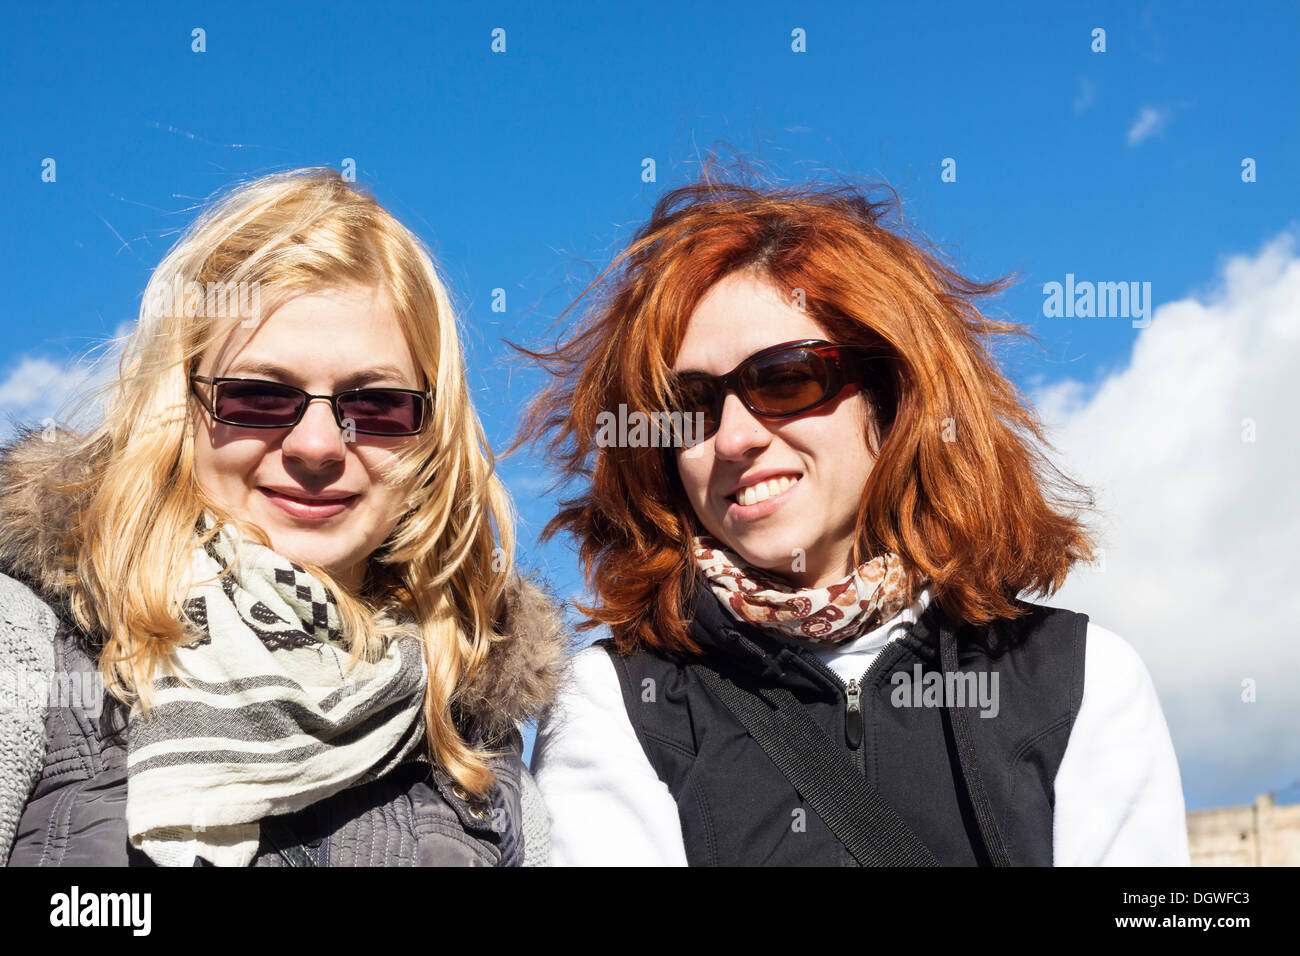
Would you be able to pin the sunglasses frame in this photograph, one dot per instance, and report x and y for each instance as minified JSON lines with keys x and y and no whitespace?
{"x":837,"y":377}
{"x":213,"y":383}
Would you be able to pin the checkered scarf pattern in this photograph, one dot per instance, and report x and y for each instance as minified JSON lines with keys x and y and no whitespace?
{"x":262,"y":714}
{"x":868,"y":597}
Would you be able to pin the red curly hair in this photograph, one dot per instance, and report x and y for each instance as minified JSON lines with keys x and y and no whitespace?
{"x":961,"y":489}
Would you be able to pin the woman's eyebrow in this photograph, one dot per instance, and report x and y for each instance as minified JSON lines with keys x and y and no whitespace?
{"x":352,"y":380}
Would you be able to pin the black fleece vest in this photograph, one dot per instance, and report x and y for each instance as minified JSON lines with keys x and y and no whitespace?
{"x":736,"y":807}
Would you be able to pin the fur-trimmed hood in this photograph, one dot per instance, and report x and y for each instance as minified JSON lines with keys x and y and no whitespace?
{"x":37,"y":514}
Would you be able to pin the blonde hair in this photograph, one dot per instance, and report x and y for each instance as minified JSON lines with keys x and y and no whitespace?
{"x":450,"y":556}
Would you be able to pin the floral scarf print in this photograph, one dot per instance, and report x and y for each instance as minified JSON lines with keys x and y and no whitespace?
{"x":871,"y":595}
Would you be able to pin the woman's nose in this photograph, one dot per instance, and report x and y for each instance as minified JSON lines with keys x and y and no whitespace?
{"x":316,"y":439}
{"x":739,"y":430}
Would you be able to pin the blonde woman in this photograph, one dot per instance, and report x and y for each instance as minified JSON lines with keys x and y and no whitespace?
{"x":265,"y":612}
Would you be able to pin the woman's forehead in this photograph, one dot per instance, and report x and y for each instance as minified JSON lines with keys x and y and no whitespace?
{"x":317,"y":333}
{"x":740,"y":315}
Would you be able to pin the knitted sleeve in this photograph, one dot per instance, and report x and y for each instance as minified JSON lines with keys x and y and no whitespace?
{"x":536,"y":824}
{"x":27,"y":627}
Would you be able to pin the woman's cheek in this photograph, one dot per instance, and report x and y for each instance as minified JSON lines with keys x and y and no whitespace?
{"x":695,"y":482}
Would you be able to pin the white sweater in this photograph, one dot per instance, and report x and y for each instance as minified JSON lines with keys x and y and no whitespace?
{"x":1119,"y":798}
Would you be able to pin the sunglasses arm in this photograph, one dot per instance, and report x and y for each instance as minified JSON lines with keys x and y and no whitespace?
{"x":194,"y":383}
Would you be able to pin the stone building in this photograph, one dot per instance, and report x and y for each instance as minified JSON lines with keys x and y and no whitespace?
{"x":1262,"y":834}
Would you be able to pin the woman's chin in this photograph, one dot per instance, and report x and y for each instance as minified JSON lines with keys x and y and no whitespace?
{"x":782,"y":562}
{"x":297,"y":546}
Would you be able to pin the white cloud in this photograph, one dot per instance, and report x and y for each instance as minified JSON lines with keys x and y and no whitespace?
{"x":1149,"y":122}
{"x":30,"y":383}
{"x":34,"y":392}
{"x":38,"y":390}
{"x":1200,"y":524}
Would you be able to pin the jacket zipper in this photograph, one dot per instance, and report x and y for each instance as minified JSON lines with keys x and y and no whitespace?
{"x":852,"y":696}
{"x":853,"y":714}
{"x":852,"y":703}
{"x":852,"y":711}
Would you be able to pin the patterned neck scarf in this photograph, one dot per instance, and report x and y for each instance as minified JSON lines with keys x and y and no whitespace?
{"x":873,"y":594}
{"x":264,"y":713}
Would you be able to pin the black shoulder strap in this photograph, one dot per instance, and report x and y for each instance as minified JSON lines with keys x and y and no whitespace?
{"x":855,"y":812}
{"x":985,"y":819}
{"x":279,"y":836}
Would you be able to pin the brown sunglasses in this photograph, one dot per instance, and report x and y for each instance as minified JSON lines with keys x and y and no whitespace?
{"x":779,"y":382}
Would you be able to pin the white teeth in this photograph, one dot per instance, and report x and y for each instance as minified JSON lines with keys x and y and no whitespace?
{"x":763,"y":490}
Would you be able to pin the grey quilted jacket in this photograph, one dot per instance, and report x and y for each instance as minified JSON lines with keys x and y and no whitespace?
{"x":63,"y":749}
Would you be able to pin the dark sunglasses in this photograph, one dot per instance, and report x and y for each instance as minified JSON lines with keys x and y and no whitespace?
{"x":254,"y":403}
{"x":779,"y":382}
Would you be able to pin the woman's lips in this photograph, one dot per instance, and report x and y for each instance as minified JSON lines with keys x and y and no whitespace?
{"x":761,"y":509}
{"x":307,"y":509}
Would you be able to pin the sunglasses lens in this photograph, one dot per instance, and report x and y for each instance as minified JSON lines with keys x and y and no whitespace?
{"x":257,"y":404}
{"x":786,"y":383}
{"x":380,"y":411}
{"x":698,"y":396}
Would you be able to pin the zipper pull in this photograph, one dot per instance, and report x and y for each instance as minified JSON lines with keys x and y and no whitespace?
{"x":853,"y":714}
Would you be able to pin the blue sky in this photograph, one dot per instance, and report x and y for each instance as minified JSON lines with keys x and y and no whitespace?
{"x":523,"y":169}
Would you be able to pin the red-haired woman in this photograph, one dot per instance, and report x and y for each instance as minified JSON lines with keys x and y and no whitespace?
{"x":819,"y":654}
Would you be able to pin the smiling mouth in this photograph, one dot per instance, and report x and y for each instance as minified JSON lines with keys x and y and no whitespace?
{"x":308,"y":499}
{"x":308,"y":507}
{"x":764,"y":490}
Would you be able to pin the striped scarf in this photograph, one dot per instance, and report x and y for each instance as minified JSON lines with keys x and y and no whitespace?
{"x":262,"y":714}
{"x":869,"y":596}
